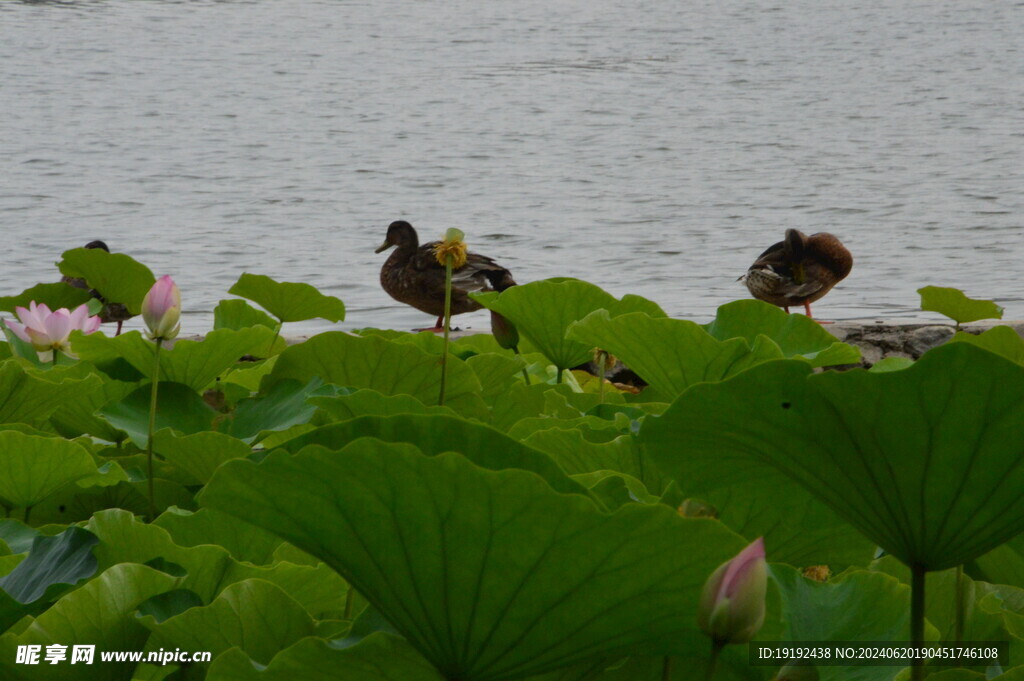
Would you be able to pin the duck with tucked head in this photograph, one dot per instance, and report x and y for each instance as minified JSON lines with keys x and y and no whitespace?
{"x":798,"y":270}
{"x":412,"y":275}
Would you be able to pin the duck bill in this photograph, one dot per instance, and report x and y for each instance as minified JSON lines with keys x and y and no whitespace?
{"x":383,"y":247}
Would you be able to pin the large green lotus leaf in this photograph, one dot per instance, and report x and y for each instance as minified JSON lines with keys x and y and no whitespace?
{"x":211,"y":568}
{"x":54,"y":296}
{"x":238,"y":314}
{"x":178,"y":407}
{"x":53,"y":565}
{"x":117,"y":277}
{"x":434,"y":434}
{"x":100,"y":613}
{"x":244,"y":541}
{"x":253,"y":614}
{"x":796,"y":335}
{"x":954,"y":304}
{"x":78,"y":416}
{"x":496,"y":372}
{"x":544,"y":310}
{"x":1003,"y":565}
{"x":289,"y":302}
{"x":284,"y":405}
{"x":27,"y":397}
{"x":17,"y":535}
{"x":198,"y":454}
{"x":378,"y":657}
{"x":32,"y":468}
{"x":670,"y":354}
{"x":1002,"y":340}
{"x":367,"y":402}
{"x":385,"y":366}
{"x":193,"y":363}
{"x":926,"y":462}
{"x":577,"y":455}
{"x":856,"y":606}
{"x":468,"y":564}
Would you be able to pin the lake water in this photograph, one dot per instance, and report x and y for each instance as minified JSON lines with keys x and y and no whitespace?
{"x":650,"y":147}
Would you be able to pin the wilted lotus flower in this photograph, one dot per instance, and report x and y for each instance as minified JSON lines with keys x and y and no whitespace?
{"x":732,"y":604}
{"x":47,"y":330}
{"x":452,"y":245}
{"x":161,"y":309}
{"x":504,"y":331}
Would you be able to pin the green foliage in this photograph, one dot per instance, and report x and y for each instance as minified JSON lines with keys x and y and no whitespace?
{"x":385,"y":366}
{"x":238,"y":314}
{"x":289,"y":302}
{"x":115,"y":276}
{"x":954,"y":304}
{"x":32,"y":468}
{"x":1002,"y":340}
{"x":544,"y":310}
{"x":476,"y":552}
{"x":925,"y":461}
{"x":54,"y":296}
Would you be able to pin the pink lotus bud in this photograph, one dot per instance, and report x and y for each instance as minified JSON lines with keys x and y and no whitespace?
{"x":47,"y":330}
{"x":161,"y":309}
{"x":732,"y":604}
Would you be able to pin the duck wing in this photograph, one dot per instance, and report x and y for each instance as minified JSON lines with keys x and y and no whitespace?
{"x":480,"y":273}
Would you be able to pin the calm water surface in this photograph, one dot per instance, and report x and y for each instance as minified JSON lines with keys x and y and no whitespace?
{"x":651,"y":147}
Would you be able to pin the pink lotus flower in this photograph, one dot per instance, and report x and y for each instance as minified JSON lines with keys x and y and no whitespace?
{"x":732,"y":605}
{"x":47,"y":330}
{"x":161,"y":309}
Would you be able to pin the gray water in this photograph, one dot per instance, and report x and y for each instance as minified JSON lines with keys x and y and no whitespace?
{"x":652,"y":147}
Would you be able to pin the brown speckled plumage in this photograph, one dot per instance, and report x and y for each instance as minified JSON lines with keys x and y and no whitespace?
{"x":412,"y":275}
{"x":798,"y":270}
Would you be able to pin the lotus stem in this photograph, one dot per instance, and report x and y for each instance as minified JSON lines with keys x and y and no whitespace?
{"x":152,"y":424}
{"x":716,"y":648}
{"x":56,"y":352}
{"x":603,"y":359}
{"x":917,"y":574}
{"x":350,"y":598}
{"x":28,"y":512}
{"x":666,"y":669}
{"x":447,"y":324}
{"x":526,"y":374}
{"x":277,"y":332}
{"x":961,"y":605}
{"x":558,"y":376}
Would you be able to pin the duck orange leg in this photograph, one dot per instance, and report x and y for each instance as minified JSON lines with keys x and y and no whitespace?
{"x":438,"y":327}
{"x":807,"y":306}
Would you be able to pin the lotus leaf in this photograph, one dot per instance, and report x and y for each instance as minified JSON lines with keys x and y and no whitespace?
{"x":54,"y":296}
{"x":193,"y":363}
{"x":954,"y":304}
{"x":289,"y":302}
{"x":544,"y":310}
{"x":54,"y":564}
{"x":926,"y":462}
{"x":32,"y":467}
{"x":795,"y":334}
{"x":253,"y":614}
{"x":1002,"y":340}
{"x":855,"y":606}
{"x":371,"y":403}
{"x":238,"y":314}
{"x":378,"y":657}
{"x":181,"y":408}
{"x":385,"y":366}
{"x":245,"y":542}
{"x":670,"y":354}
{"x":99,"y":613}
{"x":116,"y":276}
{"x":198,"y":454}
{"x":28,"y":398}
{"x":434,"y":434}
{"x":467,"y":564}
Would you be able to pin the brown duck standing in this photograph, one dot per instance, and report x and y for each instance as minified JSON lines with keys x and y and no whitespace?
{"x":111,"y":312}
{"x":798,"y":270}
{"x":412,"y":275}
